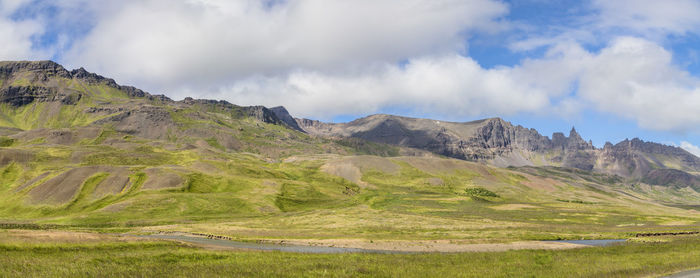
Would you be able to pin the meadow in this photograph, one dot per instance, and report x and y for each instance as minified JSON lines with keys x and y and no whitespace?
{"x":37,"y":254}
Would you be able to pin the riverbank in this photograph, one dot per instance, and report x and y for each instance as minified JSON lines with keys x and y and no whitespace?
{"x":87,"y":255}
{"x":365,"y":246}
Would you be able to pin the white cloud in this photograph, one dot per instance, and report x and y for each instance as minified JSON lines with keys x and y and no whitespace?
{"x":636,"y":79}
{"x":17,"y":35}
{"x":200,"y":43}
{"x":632,"y":78}
{"x":322,"y":58}
{"x":449,"y":86}
{"x":691,"y":148}
{"x":649,"y":17}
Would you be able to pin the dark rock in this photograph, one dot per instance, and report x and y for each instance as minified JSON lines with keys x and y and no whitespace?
{"x":672,"y":177}
{"x":46,"y":69}
{"x":286,"y":118}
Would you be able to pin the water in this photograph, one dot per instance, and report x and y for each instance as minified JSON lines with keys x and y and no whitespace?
{"x":326,"y":249}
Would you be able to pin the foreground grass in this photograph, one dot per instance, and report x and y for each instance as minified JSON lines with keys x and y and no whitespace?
{"x":152,"y":259}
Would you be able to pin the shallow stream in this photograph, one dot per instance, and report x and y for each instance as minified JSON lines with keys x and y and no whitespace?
{"x":326,"y":249}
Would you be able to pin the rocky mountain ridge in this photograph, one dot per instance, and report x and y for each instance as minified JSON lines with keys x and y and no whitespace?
{"x":46,"y":81}
{"x":501,"y":143}
{"x":43,"y":94}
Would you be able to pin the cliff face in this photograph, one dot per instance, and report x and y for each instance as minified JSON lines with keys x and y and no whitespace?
{"x":286,"y":118}
{"x":477,"y":140}
{"x":638,"y":158}
{"x":41,"y":81}
{"x":499,"y":142}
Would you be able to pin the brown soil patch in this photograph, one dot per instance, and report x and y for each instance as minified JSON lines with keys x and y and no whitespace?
{"x":8,"y":156}
{"x":205,"y":167}
{"x":435,"y":165}
{"x":159,"y":178}
{"x":546,"y":184}
{"x":63,"y":187}
{"x":435,"y":181}
{"x":351,"y":168}
{"x":344,"y":170}
{"x":32,"y":181}
{"x":115,"y":183}
{"x":116,"y":207}
{"x":63,"y":136}
{"x":6,"y":131}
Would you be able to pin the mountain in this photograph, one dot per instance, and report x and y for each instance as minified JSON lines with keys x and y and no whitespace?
{"x":79,"y":149}
{"x":500,"y":143}
{"x":43,"y":99}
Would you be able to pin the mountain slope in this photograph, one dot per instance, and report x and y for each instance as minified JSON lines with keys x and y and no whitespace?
{"x":80,"y":150}
{"x":500,"y":143}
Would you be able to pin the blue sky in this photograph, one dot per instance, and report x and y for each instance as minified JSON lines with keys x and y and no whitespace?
{"x":613,"y":69}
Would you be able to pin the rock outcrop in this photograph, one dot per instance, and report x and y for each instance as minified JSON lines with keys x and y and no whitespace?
{"x":477,"y":140}
{"x":286,"y":118}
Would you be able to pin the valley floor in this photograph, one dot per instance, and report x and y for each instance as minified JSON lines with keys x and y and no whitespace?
{"x":80,"y":254}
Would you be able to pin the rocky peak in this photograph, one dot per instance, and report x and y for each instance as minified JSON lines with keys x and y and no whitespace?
{"x":41,"y":72}
{"x":286,"y":118}
{"x":574,"y":135}
{"x":496,"y":133}
{"x":608,"y":145}
{"x":48,"y":68}
{"x":92,"y":78}
{"x":573,"y":142}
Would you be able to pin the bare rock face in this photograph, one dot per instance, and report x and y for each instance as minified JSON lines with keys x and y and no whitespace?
{"x":478,"y":140}
{"x":672,"y":177}
{"x":638,"y":158}
{"x":263,"y":114}
{"x":44,"y":77}
{"x":43,"y":69}
{"x":286,"y":118}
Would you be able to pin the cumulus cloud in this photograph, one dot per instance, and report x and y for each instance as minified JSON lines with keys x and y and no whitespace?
{"x":632,"y":78}
{"x":322,"y":58}
{"x":636,"y":79}
{"x":449,"y":85}
{"x":200,"y":43}
{"x":691,"y":148}
{"x":649,"y":17}
{"x":17,"y":35}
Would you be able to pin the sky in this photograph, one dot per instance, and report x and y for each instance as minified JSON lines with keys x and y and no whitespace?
{"x":613,"y":69}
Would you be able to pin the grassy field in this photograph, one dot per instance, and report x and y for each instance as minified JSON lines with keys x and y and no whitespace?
{"x":327,"y":197}
{"x":103,"y":256}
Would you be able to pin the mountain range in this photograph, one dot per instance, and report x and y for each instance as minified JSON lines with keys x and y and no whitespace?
{"x":79,"y":149}
{"x":81,"y":101}
{"x":500,"y":143}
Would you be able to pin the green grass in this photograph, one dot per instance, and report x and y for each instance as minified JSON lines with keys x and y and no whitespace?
{"x":6,"y":141}
{"x":480,"y":192}
{"x":88,"y":187}
{"x":215,"y":143}
{"x":156,"y":259}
